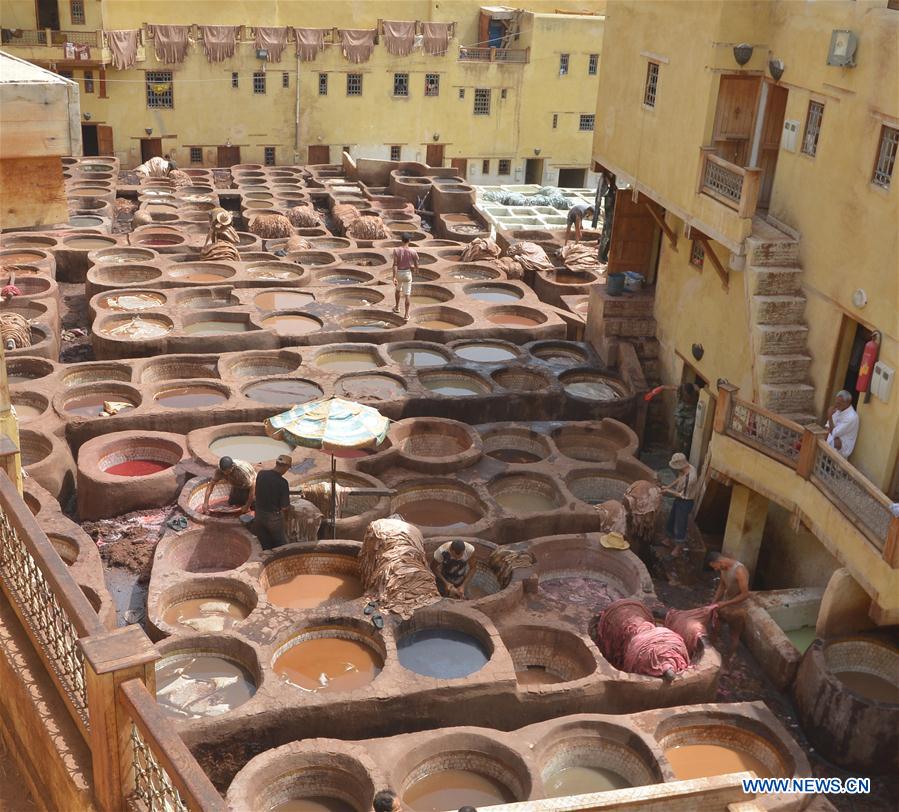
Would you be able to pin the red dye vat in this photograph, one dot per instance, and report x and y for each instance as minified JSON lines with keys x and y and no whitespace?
{"x":137,"y":468}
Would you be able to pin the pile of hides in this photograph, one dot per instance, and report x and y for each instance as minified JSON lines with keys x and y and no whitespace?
{"x":15,"y":329}
{"x":309,"y":42}
{"x":344,"y":214}
{"x":394,"y":568}
{"x":302,"y":520}
{"x":179,"y":178}
{"x":319,"y":494}
{"x":357,"y":44}
{"x":503,"y":560}
{"x":545,"y":196}
{"x":220,"y":252}
{"x":631,"y":642}
{"x":399,"y":36}
{"x":297,"y":243}
{"x":270,"y":226}
{"x":530,"y":256}
{"x":580,"y":258}
{"x":219,"y":41}
{"x":368,"y":228}
{"x":303,"y":216}
{"x":170,"y":42}
{"x":435,"y":38}
{"x":123,"y":46}
{"x":156,"y":167}
{"x":692,"y":624}
{"x":612,"y":517}
{"x":511,"y":266}
{"x":642,"y":500}
{"x":272,"y":40}
{"x":480,"y":248}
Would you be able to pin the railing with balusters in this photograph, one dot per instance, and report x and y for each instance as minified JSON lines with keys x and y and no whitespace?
{"x":508,"y":55}
{"x":48,"y":36}
{"x":735,"y":186}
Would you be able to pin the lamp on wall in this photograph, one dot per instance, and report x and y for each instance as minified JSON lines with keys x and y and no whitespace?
{"x":698,"y":351}
{"x":148,"y":130}
{"x":435,"y":137}
{"x":87,"y":116}
{"x":742,"y":53}
{"x":537,"y":150}
{"x":228,"y":143}
{"x":776,"y":68}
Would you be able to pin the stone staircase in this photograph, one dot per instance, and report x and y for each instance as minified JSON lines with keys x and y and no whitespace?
{"x":777,"y":318}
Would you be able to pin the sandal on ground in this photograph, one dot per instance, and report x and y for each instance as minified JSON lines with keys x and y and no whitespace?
{"x":377,"y":621}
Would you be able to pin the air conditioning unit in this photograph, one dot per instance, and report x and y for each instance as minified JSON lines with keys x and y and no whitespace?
{"x":790,"y":135}
{"x":842,"y":49}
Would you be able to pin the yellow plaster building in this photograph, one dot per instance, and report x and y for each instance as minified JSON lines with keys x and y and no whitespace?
{"x":760,"y":196}
{"x":521,"y":110}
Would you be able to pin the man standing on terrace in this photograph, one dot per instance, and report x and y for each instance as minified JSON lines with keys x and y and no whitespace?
{"x":405,"y":260}
{"x":842,"y":424}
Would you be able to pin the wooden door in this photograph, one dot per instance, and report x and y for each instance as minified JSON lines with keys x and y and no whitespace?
{"x":735,"y":117}
{"x":461,"y":166}
{"x":150,"y":148}
{"x":434,"y":155}
{"x":319,"y":154}
{"x":633,"y":236}
{"x":772,"y":127}
{"x":48,"y":14}
{"x":104,"y":140}
{"x":228,"y":156}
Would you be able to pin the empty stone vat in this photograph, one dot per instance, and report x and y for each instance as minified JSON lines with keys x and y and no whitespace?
{"x":524,"y":493}
{"x":547,"y":655}
{"x":88,"y":401}
{"x":24,"y":370}
{"x":81,"y":374}
{"x":436,"y":504}
{"x":595,"y":486}
{"x":206,"y":549}
{"x":591,"y":386}
{"x":516,"y":446}
{"x":563,"y":353}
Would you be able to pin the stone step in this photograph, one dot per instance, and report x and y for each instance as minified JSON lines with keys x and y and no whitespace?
{"x":802,"y":418}
{"x":777,"y":309}
{"x":772,"y":253}
{"x":788,"y":368}
{"x":788,"y":398}
{"x":779,"y":281}
{"x":780,"y":339}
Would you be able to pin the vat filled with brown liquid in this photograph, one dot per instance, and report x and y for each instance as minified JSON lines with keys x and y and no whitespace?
{"x":191,"y":397}
{"x":282,"y":299}
{"x":347,"y":361}
{"x":870,"y":686}
{"x":417,"y":357}
{"x":326,"y":664}
{"x":292,"y":324}
{"x":452,"y":789}
{"x":211,"y":614}
{"x":582,"y":780}
{"x":438,"y":513}
{"x":537,"y":675}
{"x":284,"y":392}
{"x":705,"y":760}
{"x":512,"y":320}
{"x":189,"y":686}
{"x":308,"y":590}
{"x":314,"y":803}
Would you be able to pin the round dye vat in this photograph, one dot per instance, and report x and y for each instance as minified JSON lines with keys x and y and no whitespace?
{"x":438,"y":324}
{"x":870,"y":686}
{"x":370,"y":387}
{"x":137,"y":328}
{"x":441,"y":653}
{"x":591,"y":390}
{"x":537,"y":675}
{"x":215,"y":327}
{"x":89,"y":243}
{"x":159,"y":240}
{"x":92,"y":405}
{"x":455,"y":387}
{"x":137,"y":468}
{"x":570,"y":278}
{"x":453,"y":789}
{"x":282,"y":299}
{"x":311,"y":590}
{"x":557,"y":355}
{"x":438,"y":513}
{"x":422,"y":299}
{"x":417,"y":357}
{"x":25,"y":411}
{"x":367,"y":324}
{"x":21,"y":257}
{"x":283,"y":393}
{"x":202,"y":276}
{"x":191,"y":397}
{"x":494,"y":293}
{"x":190,"y":686}
{"x":340,"y":279}
{"x":483,"y":352}
{"x":314,"y":803}
{"x":512,"y":320}
{"x":85,"y":221}
{"x":525,"y":501}
{"x":705,"y":760}
{"x":513,"y":456}
{"x":292,"y":324}
{"x":347,"y":361}
{"x":329,"y":664}
{"x":206,"y":614}
{"x":250,"y":448}
{"x":473,"y":274}
{"x":133,"y":301}
{"x":801,"y":638}
{"x":581,"y":780}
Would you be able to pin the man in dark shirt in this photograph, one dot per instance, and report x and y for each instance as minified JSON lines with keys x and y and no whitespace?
{"x":272,"y":501}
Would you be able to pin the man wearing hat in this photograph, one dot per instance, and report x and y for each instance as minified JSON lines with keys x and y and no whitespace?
{"x":684,"y":489}
{"x":272,"y":502}
{"x":241,"y":476}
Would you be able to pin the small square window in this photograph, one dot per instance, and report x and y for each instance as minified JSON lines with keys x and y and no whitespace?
{"x":400,"y":84}
{"x":505,"y":166}
{"x":593,"y":65}
{"x":563,"y":64}
{"x":485,"y":167}
{"x":461,"y":92}
{"x":77,"y":8}
{"x":502,"y":93}
{"x":354,"y":84}
{"x":259,"y":81}
{"x":346,"y":149}
{"x":886,"y":156}
{"x":586,"y":122}
{"x":285,"y":79}
{"x":555,"y":120}
{"x":482,"y":101}
{"x":88,"y":81}
{"x":396,"y":153}
{"x":652,"y":84}
{"x":160,"y":93}
{"x":269,"y":156}
{"x":697,"y":254}
{"x":196,"y":155}
{"x":323,"y":84}
{"x":812,"y":128}
{"x":235,"y":79}
{"x":432,"y":84}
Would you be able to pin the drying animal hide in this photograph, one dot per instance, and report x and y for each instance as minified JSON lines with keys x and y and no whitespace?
{"x":219,"y":41}
{"x":123,"y":46}
{"x":612,"y":517}
{"x":368,"y":228}
{"x":344,"y":214}
{"x":480,"y":248}
{"x":179,"y":178}
{"x":270,"y":226}
{"x":642,"y":500}
{"x":530,"y":256}
{"x":503,"y":560}
{"x":692,"y":624}
{"x":15,"y":330}
{"x":273,"y":40}
{"x":511,"y":266}
{"x":580,"y":258}
{"x":170,"y":42}
{"x":309,"y":42}
{"x":394,"y":568}
{"x":156,"y":167}
{"x":303,"y":217}
{"x":297,"y":243}
{"x":220,"y":252}
{"x":302,"y":521}
{"x":436,"y":38}
{"x":357,"y":44}
{"x":399,"y":36}
{"x":319,"y":494}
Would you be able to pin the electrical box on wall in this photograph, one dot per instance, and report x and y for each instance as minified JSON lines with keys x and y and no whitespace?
{"x":842,"y":49}
{"x":790,"y":135}
{"x":882,"y":381}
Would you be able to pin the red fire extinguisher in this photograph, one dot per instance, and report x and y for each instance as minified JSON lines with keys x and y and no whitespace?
{"x":866,"y":369}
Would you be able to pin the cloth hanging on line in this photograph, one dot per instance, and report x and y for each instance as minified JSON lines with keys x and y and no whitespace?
{"x":436,"y":38}
{"x":399,"y":36}
{"x":123,"y":46}
{"x":357,"y":44}
{"x":309,"y":42}
{"x":170,"y":42}
{"x":219,"y":41}
{"x":76,"y":51}
{"x":273,"y":40}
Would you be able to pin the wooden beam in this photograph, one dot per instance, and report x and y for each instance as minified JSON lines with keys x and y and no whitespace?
{"x":712,"y":257}
{"x":660,"y":221}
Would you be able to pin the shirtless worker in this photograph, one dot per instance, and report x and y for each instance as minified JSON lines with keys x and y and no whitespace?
{"x":576,"y":215}
{"x":730,"y":596}
{"x":405,"y":260}
{"x":241,"y":476}
{"x":452,"y":569}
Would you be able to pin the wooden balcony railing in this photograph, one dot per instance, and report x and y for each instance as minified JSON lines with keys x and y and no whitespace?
{"x":735,"y":186}
{"x":805,"y":450}
{"x":47,"y":36}
{"x":508,"y":55}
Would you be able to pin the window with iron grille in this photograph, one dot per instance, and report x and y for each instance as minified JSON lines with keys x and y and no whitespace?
{"x":323,"y":84}
{"x":555,"y":120}
{"x":461,"y":92}
{"x":886,"y":156}
{"x":354,"y":84}
{"x":563,"y":64}
{"x":259,"y":81}
{"x":432,"y":84}
{"x":269,"y":156}
{"x":485,"y":167}
{"x":482,"y":101}
{"x":697,"y":254}
{"x":396,"y":153}
{"x":235,"y":79}
{"x":812,"y":128}
{"x":77,"y":7}
{"x":400,"y":84}
{"x":160,"y":93}
{"x":652,"y":84}
{"x":593,"y":65}
{"x":586,"y":122}
{"x":196,"y":155}
{"x":285,"y":79}
{"x":88,"y":81}
{"x":505,"y":166}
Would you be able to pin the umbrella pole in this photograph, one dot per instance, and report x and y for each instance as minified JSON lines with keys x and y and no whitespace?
{"x":333,"y":497}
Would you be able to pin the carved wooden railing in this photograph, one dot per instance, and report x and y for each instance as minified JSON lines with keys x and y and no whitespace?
{"x":735,"y":186}
{"x":516,"y":55}
{"x":47,"y":36}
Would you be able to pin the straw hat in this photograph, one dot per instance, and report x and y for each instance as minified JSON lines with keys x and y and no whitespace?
{"x":222,"y":217}
{"x":284,"y":459}
{"x":614,"y":541}
{"x":678,"y":461}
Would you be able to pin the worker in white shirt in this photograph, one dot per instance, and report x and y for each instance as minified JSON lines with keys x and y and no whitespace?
{"x":842,"y":424}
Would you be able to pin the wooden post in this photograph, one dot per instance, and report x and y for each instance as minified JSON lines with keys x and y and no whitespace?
{"x":752,"y":183}
{"x":110,"y":659}
{"x":809,"y":449}
{"x":891,"y":547}
{"x":727,"y":393}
